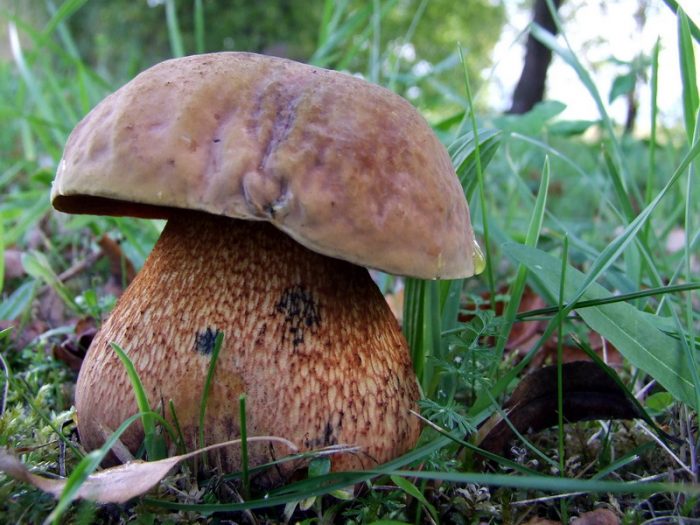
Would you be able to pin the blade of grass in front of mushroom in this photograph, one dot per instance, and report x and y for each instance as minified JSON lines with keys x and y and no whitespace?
{"x":154,"y":442}
{"x":207,"y":389}
{"x":244,"y":446}
{"x":181,"y":445}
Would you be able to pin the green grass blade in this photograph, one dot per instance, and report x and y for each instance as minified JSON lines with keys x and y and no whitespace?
{"x":673,"y":6}
{"x":60,"y":15}
{"x":37,"y":265}
{"x":18,"y":303}
{"x":653,"y":135}
{"x":480,"y":178}
{"x":2,"y":255}
{"x":329,"y":20}
{"x":376,"y":42}
{"x":518,"y":286}
{"x":207,"y":386}
{"x":560,"y":359}
{"x":688,"y":74}
{"x":174,"y":34}
{"x":339,"y":33}
{"x":242,"y":416}
{"x":555,"y":484}
{"x":154,"y":443}
{"x":406,"y":38}
{"x":30,"y":80}
{"x":688,"y":343}
{"x":199,"y":34}
{"x":622,"y":298}
{"x":464,"y":158}
{"x":413,"y":491}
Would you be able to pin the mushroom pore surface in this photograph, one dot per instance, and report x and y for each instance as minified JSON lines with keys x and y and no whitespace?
{"x":309,"y":340}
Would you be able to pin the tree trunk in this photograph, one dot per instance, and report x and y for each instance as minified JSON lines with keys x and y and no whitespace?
{"x":530,"y":88}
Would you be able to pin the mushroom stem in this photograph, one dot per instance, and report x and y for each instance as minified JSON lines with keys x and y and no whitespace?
{"x":309,"y":340}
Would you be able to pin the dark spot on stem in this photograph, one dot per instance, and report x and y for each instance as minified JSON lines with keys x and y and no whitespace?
{"x":204,"y":341}
{"x":301,"y":312}
{"x":328,"y":437}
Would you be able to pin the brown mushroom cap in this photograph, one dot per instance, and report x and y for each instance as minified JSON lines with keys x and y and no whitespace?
{"x":346,"y":168}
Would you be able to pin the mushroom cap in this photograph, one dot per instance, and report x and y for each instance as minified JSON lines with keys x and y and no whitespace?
{"x":346,"y":168}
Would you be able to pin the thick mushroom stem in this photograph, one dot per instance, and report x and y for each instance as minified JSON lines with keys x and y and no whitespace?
{"x":309,"y":340}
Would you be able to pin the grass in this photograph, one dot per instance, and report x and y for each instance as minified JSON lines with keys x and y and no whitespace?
{"x":580,"y":222}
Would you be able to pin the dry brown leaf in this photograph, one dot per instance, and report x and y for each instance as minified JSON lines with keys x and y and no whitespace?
{"x":588,"y":393}
{"x":74,"y":347}
{"x":597,"y":517}
{"x":117,"y":260}
{"x":541,"y":521}
{"x":13,"y":263}
{"x":117,"y":484}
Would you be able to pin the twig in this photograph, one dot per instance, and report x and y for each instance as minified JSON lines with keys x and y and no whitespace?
{"x":80,"y":266}
{"x":6,"y":389}
{"x":76,"y":269}
{"x":641,"y":425}
{"x":546,"y":498}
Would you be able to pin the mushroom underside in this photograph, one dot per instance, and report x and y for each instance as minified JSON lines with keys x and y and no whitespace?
{"x":309,"y":340}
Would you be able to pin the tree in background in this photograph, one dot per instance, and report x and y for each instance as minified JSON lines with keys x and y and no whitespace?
{"x":530,"y":88}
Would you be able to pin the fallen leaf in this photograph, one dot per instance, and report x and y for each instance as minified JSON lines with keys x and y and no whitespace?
{"x":597,"y":517}
{"x":541,"y":521}
{"x":73,"y":349}
{"x":117,"y":484}
{"x":13,"y":263}
{"x":589,"y":393}
{"x":120,"y":266}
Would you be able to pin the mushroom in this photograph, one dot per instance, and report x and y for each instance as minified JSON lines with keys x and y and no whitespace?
{"x":280,"y":182}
